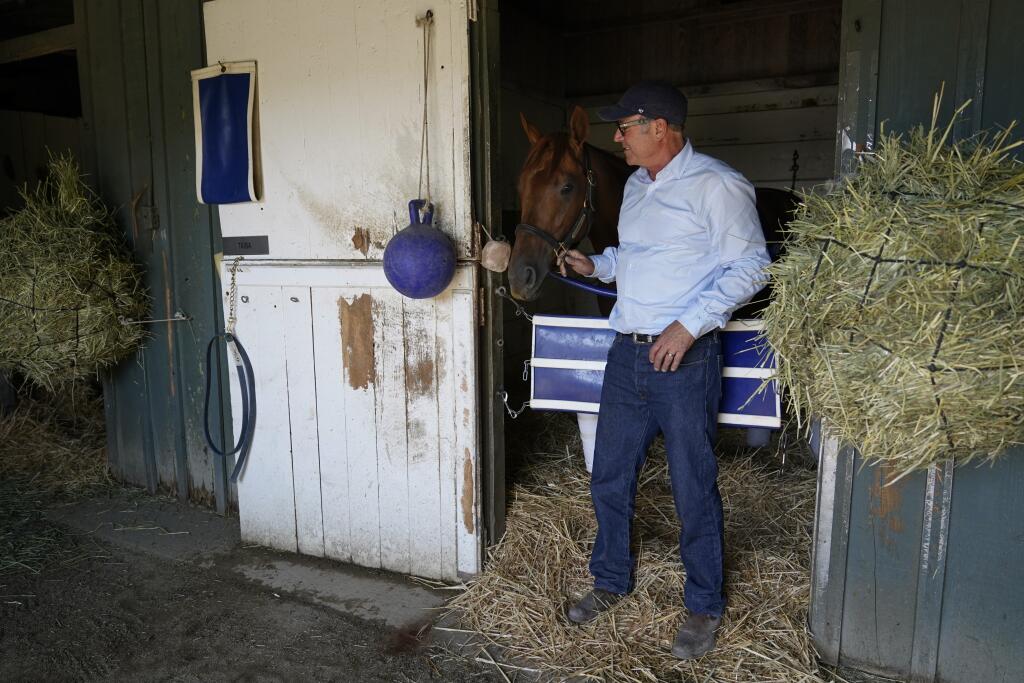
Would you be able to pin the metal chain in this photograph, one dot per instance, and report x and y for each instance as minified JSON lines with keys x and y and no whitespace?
{"x":229,"y":327}
{"x":520,"y":311}
{"x":232,"y":298}
{"x":503,"y":395}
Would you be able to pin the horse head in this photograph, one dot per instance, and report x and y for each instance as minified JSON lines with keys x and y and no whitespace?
{"x":554,"y":187}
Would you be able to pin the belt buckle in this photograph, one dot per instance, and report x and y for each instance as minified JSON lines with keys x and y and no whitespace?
{"x":640,"y":338}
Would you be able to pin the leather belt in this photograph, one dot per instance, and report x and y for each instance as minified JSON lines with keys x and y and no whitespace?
{"x":641,"y":338}
{"x":651,"y":338}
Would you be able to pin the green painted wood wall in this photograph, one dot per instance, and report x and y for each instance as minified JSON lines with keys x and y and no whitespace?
{"x":926,"y":580}
{"x":135,"y":57}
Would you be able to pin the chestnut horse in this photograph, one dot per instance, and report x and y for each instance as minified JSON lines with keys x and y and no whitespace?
{"x":566,"y":186}
{"x":569,"y":189}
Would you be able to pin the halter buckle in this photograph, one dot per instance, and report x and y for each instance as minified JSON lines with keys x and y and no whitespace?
{"x":560,"y":252}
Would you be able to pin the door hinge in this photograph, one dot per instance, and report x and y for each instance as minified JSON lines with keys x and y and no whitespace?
{"x":477,"y":240}
{"x":482,"y":308}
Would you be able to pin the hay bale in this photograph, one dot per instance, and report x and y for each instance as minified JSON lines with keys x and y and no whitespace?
{"x":899,"y":305}
{"x":67,"y":283}
{"x":540,"y":566}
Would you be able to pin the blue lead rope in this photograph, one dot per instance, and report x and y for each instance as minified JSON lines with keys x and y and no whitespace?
{"x":247,"y":387}
{"x":593,"y":289}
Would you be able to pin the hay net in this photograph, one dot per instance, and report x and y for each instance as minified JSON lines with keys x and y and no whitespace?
{"x":898,"y":307}
{"x":67,"y":284}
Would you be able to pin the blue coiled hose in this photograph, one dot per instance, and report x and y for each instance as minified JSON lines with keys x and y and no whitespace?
{"x":247,"y":387}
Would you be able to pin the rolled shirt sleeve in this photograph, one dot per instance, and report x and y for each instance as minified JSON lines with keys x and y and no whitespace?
{"x":604,"y":264}
{"x":735,"y":231}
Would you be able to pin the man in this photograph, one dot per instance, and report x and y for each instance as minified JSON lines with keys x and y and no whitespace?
{"x":690,"y":252}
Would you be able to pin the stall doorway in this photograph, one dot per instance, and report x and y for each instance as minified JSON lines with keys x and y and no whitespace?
{"x":762,"y":80}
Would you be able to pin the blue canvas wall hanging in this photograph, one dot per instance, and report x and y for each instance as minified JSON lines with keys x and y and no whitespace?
{"x":224,"y":97}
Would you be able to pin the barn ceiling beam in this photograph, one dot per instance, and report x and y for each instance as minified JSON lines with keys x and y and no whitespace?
{"x":743,"y":11}
{"x":39,"y":44}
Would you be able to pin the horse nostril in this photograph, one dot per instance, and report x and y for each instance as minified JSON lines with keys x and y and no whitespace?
{"x":529,"y":277}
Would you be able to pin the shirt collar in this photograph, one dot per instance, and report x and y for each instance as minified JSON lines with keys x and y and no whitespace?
{"x":675,"y":168}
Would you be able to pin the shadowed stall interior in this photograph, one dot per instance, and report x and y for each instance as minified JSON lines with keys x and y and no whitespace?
{"x":761,"y":78}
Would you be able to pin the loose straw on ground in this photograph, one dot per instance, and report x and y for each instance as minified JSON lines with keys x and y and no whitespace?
{"x":50,"y":449}
{"x":540,"y":566}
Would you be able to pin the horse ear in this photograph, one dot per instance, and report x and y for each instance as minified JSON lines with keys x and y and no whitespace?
{"x":532,"y":133}
{"x":579,"y":125}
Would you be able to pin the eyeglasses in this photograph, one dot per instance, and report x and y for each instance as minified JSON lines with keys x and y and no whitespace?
{"x":629,"y":124}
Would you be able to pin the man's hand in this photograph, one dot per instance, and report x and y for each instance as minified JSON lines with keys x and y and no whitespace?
{"x":578,"y":262}
{"x":672,"y":345}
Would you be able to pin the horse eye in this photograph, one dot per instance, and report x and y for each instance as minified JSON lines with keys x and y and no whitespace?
{"x":567,"y":188}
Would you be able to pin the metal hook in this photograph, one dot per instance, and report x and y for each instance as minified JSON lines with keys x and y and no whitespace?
{"x":223,"y":68}
{"x":427,"y":19}
{"x":178,"y":317}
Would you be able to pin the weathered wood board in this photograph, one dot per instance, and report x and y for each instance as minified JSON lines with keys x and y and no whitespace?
{"x":366,"y":442}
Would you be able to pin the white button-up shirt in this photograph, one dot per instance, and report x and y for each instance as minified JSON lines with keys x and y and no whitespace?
{"x":690,"y":247}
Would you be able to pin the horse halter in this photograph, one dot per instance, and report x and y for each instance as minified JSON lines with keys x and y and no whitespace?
{"x":580,"y":228}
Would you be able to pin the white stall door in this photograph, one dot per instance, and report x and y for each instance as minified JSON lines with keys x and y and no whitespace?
{"x":366,"y":438}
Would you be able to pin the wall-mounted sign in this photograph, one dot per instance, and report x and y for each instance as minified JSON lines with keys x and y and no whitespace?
{"x":254,"y":245}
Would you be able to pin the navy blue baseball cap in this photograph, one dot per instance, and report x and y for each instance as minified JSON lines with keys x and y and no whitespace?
{"x":652,"y":99}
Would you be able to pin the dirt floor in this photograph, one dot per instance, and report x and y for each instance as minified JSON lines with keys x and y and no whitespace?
{"x":97,"y":611}
{"x":103,"y":583}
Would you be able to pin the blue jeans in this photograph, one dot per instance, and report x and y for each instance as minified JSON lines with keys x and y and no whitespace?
{"x":636,"y":402}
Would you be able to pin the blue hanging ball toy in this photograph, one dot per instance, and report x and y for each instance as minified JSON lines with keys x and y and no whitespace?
{"x":420,"y":260}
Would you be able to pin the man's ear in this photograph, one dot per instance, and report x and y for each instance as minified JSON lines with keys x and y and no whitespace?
{"x":532,"y":133}
{"x":579,"y":126}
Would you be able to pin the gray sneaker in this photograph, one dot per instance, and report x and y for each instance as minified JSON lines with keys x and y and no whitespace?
{"x":592,"y":604}
{"x":696,"y":636}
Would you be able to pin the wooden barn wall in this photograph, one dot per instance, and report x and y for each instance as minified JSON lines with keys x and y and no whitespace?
{"x":27,"y":140}
{"x":609,"y":46}
{"x":532,"y":84}
{"x":366,"y":445}
{"x":761,"y":76}
{"x":134,"y":59}
{"x":915,"y":582}
{"x":761,"y":128}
